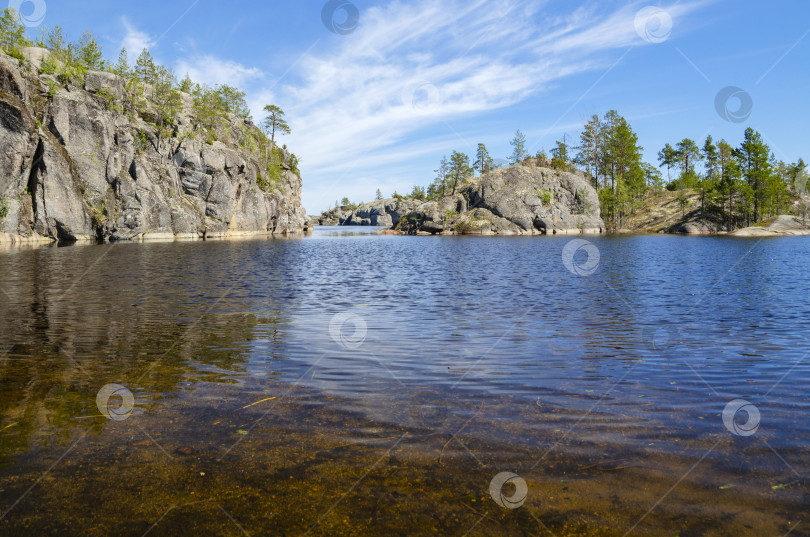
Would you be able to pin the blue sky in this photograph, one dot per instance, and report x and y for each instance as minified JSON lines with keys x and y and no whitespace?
{"x":377,"y":104}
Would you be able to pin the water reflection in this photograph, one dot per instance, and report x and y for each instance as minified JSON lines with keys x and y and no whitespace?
{"x":478,"y":356}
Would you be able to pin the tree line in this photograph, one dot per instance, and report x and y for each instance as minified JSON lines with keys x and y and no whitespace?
{"x":738,"y":186}
{"x":154,"y":93}
{"x":742,"y":184}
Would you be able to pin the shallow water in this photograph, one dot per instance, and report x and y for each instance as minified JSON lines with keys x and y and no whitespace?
{"x":349,"y":383}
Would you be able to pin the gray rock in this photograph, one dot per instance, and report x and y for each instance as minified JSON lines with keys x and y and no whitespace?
{"x":35,"y":56}
{"x":519,"y":200}
{"x":780,"y":225}
{"x":59,"y":207}
{"x":96,"y":81}
{"x":696,"y":227}
{"x":74,"y":168}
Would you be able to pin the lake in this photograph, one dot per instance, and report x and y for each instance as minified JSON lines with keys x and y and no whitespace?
{"x":348,"y":383}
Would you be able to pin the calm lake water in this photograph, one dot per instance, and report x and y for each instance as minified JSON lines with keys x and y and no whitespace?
{"x":348,"y":383}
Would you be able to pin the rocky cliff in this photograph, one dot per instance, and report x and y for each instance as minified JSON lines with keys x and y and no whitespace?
{"x":519,"y":200}
{"x":77,"y":164}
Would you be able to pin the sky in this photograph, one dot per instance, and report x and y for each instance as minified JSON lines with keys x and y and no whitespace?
{"x":376,"y":92}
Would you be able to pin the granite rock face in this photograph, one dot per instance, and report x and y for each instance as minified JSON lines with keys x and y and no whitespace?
{"x":777,"y":226}
{"x":519,"y":200}
{"x":75,"y":166}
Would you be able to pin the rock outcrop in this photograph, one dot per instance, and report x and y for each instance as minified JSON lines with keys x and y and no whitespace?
{"x":386,"y":212}
{"x":77,"y":164}
{"x":519,"y":200}
{"x":334,"y":217}
{"x":774,"y":227}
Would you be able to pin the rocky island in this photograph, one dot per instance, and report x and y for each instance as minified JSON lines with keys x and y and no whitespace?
{"x":92,"y":158}
{"x":525,"y":199}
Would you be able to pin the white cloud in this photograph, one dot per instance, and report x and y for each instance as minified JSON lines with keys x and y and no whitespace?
{"x":369,"y":101}
{"x":413,"y":65}
{"x":135,"y":40}
{"x":208,"y":69}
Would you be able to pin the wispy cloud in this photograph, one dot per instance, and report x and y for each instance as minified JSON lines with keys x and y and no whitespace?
{"x":134,"y":39}
{"x":208,"y":69}
{"x":387,"y":94}
{"x":413,"y":65}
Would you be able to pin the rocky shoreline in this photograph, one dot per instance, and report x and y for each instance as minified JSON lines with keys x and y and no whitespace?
{"x":524,"y":199}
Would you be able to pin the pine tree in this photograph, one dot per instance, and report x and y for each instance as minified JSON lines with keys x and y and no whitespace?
{"x":378,"y":196}
{"x":729,"y":178}
{"x":275,"y":122}
{"x":186,"y":86}
{"x":166,"y":100}
{"x":122,"y":67}
{"x":418,"y":193}
{"x":588,"y":150}
{"x":234,"y":102}
{"x":442,"y":172}
{"x":12,"y":32}
{"x":559,"y":155}
{"x":459,"y":169}
{"x":668,"y":157}
{"x":483,"y":162}
{"x":90,"y":52}
{"x":518,"y":144}
{"x":710,"y":157}
{"x":687,"y":155}
{"x":753,"y":158}
{"x":652,"y":176}
{"x":55,"y":41}
{"x":145,"y":68}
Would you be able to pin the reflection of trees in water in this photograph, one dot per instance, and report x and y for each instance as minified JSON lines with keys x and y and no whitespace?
{"x":47,"y":385}
{"x":61,"y":344}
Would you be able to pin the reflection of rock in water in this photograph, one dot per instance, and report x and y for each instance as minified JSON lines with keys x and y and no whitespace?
{"x":64,"y":346}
